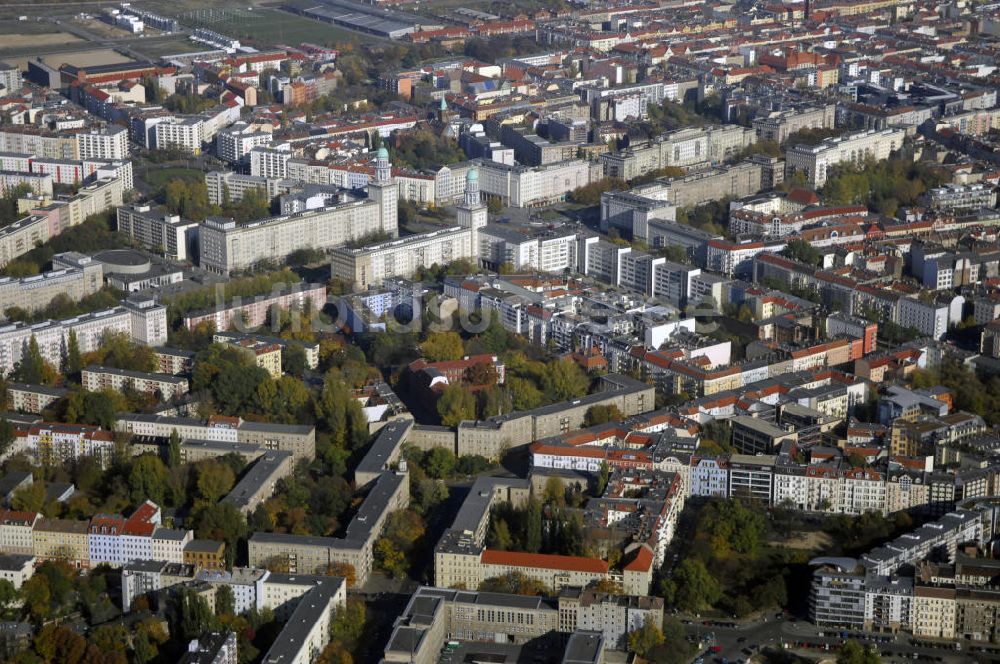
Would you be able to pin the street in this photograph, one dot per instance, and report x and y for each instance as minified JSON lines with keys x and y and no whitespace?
{"x":740,"y":641}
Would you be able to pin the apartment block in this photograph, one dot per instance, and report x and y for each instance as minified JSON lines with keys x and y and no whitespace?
{"x":142,"y":320}
{"x":174,"y":361}
{"x":532,"y":186}
{"x":259,"y":481}
{"x":815,"y":161}
{"x":255,"y":313}
{"x":182,"y":133}
{"x":491,"y":437}
{"x":779,"y":125}
{"x":25,"y":398}
{"x":165,"y":386}
{"x":309,"y":555}
{"x":756,"y":436}
{"x":158,"y":231}
{"x":109,"y":143}
{"x":228,"y":247}
{"x":62,"y":539}
{"x":402,"y":257}
{"x":34,"y":293}
{"x":311,"y":350}
{"x":298,"y":439}
{"x":52,"y":443}
{"x":270,"y":162}
{"x":546,"y":251}
{"x":234,"y":143}
{"x":232,"y":186}
{"x":631,"y":210}
{"x":307,"y":631}
{"x":17,"y":532}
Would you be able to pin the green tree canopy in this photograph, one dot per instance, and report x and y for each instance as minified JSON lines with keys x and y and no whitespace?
{"x":147,"y":479}
{"x":696,"y":588}
{"x":215,"y":480}
{"x":456,"y":404}
{"x":565,"y":380}
{"x":802,"y":251}
{"x":441,"y":346}
{"x":32,"y":368}
{"x":853,"y":652}
{"x":643,"y":640}
{"x":602,"y":413}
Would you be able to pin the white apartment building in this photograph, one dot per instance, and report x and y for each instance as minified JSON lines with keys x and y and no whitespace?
{"x":709,"y":477}
{"x":520,"y":186}
{"x":963,"y":196}
{"x":402,"y":257}
{"x":166,"y":386}
{"x":39,"y":183}
{"x":862,"y":490}
{"x":167,"y":544}
{"x":10,"y":77}
{"x":270,"y":162}
{"x":17,"y":531}
{"x":732,"y":259}
{"x":17,"y":569}
{"x":156,"y":230}
{"x":234,"y":143}
{"x":638,"y":269}
{"x":223,"y":184}
{"x":35,"y":292}
{"x":16,"y":162}
{"x":549,"y":251}
{"x":602,"y":260}
{"x":56,"y":444}
{"x":108,"y":143}
{"x":815,"y":161}
{"x":930,"y":318}
{"x":104,"y":539}
{"x":48,"y":221}
{"x":142,"y":320}
{"x":227,"y":247}
{"x":184,"y":133}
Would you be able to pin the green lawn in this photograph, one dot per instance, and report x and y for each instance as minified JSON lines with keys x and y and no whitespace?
{"x":263,"y":26}
{"x":157,"y":49}
{"x":282,"y":27}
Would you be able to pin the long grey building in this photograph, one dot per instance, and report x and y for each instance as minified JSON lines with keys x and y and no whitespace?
{"x":228,"y":247}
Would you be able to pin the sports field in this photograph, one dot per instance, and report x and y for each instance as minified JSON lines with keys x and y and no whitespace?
{"x":267,"y":26}
{"x":83,"y":58}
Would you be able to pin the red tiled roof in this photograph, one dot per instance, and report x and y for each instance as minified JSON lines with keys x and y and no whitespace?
{"x":544,"y":561}
{"x":642,"y":562}
{"x":803,"y":196}
{"x":13,"y":517}
{"x":140,"y":523}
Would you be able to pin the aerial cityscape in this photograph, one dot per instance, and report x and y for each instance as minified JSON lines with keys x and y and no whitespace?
{"x":499,"y":331}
